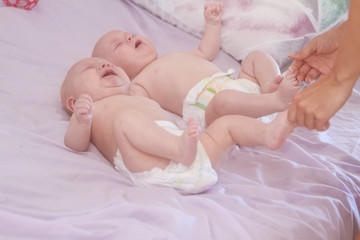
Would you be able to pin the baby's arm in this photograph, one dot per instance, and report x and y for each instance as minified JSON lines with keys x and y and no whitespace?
{"x":211,"y":41}
{"x":78,"y":134}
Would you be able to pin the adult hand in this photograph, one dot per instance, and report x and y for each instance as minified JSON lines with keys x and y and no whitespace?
{"x":318,"y":56}
{"x":317,"y":103}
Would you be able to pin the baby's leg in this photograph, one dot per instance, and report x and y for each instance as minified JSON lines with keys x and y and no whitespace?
{"x":233,"y":102}
{"x":244,"y":131}
{"x":288,"y":88}
{"x":188,"y":143}
{"x":145,"y":145}
{"x":262,"y":69}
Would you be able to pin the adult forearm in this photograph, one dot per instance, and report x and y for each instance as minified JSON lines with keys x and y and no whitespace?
{"x":347,"y":64}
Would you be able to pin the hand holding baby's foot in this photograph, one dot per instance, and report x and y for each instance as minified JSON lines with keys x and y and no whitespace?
{"x":188,"y":143}
{"x":288,"y":88}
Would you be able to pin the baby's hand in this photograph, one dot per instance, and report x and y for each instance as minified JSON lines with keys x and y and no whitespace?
{"x":213,"y":12}
{"x":83,"y":109}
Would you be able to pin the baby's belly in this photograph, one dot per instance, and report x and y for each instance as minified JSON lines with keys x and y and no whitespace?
{"x":168,"y":84}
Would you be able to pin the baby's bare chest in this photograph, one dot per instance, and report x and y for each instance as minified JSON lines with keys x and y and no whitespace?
{"x":175,"y":73}
{"x":106,"y":111}
{"x":177,"y":67}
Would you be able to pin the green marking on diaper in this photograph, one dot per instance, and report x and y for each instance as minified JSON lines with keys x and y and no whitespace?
{"x":199,"y":105}
{"x":211,"y":90}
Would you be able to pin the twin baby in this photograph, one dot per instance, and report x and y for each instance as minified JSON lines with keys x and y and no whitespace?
{"x":123,"y":100}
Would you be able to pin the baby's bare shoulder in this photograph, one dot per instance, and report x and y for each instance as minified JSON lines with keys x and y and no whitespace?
{"x":137,"y":88}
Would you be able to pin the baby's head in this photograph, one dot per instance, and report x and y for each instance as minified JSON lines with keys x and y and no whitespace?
{"x":126,"y":50}
{"x":96,"y":77}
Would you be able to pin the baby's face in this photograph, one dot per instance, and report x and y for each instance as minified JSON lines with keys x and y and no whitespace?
{"x":126,"y":50}
{"x":99,"y":78}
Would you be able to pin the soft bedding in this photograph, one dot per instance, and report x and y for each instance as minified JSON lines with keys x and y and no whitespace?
{"x":307,"y":189}
{"x":276,"y":27}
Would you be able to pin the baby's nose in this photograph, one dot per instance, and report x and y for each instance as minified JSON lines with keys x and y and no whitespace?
{"x":104,"y":65}
{"x":129,"y":36}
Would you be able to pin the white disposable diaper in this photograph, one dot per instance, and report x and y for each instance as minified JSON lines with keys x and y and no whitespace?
{"x":188,"y":180}
{"x":201,"y":94}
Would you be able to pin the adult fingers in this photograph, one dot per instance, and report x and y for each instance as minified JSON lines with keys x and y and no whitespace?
{"x":296,"y":65}
{"x":300,"y":118}
{"x":309,"y":121}
{"x":305,"y":52}
{"x":311,"y":75}
{"x":303,"y":71}
{"x":322,"y":125}
{"x":292,"y":112}
{"x":295,"y":114}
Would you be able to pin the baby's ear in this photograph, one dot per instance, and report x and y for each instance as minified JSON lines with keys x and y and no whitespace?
{"x":70,"y":103}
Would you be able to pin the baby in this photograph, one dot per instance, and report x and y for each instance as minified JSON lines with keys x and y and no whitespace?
{"x":142,"y":140}
{"x":189,"y":84}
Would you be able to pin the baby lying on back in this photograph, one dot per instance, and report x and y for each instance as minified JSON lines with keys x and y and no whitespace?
{"x":143,"y":141}
{"x":190,"y":84}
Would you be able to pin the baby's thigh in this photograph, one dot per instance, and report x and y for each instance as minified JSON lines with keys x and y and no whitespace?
{"x":138,"y":161}
{"x":223,"y":103}
{"x":245,"y":73}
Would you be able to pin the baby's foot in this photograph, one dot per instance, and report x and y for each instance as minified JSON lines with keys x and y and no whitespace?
{"x":273,"y":85}
{"x":188,"y":143}
{"x":287,"y":89}
{"x":278,"y":130}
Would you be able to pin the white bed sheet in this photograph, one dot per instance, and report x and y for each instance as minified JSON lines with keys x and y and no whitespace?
{"x":308,"y":189}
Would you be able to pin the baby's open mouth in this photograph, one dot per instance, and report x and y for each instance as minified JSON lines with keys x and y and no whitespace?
{"x":109,"y":72}
{"x":137,"y":43}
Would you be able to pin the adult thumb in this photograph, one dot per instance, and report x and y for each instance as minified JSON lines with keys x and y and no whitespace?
{"x":303,"y":53}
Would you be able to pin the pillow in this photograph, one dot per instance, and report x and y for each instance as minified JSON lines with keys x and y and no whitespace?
{"x":276,"y":27}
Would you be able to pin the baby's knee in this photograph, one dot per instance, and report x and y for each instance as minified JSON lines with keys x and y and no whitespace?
{"x":254,"y":57}
{"x":257,"y":54}
{"x":222,"y":100}
{"x":247,"y":65}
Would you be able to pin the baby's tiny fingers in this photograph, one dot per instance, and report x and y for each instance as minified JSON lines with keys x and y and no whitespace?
{"x":82,"y":104}
{"x":86,"y":97}
{"x":84,"y":110}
